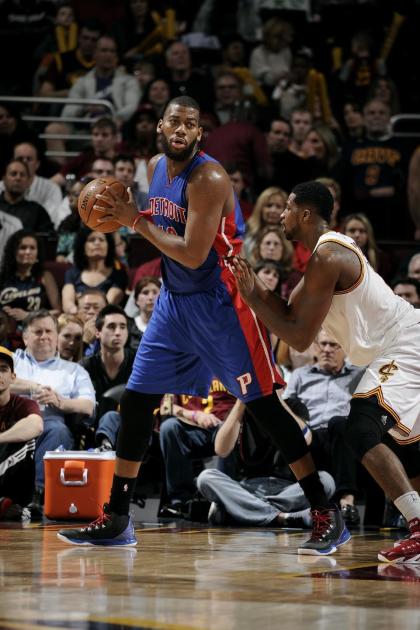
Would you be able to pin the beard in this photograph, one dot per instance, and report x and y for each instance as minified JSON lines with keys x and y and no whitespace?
{"x":177,"y":156}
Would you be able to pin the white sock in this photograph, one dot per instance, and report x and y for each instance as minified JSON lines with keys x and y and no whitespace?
{"x":409,"y":505}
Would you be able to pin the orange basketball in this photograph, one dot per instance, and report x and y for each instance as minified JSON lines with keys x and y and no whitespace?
{"x":87,"y":200}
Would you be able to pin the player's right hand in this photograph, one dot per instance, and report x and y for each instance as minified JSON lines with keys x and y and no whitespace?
{"x":245,"y":277}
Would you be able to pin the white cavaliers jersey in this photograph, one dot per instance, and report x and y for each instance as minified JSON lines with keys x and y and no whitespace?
{"x":365,"y":318}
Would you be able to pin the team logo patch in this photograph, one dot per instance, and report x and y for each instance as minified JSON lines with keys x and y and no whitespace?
{"x":386,"y":371}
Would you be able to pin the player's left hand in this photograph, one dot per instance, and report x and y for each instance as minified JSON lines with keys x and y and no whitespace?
{"x":245,"y":277}
{"x":116,"y":209}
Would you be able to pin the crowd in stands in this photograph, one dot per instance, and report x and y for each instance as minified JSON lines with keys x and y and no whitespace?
{"x":286,"y":96}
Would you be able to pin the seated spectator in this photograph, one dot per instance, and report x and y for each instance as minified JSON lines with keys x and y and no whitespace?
{"x":271,"y":60}
{"x":69,"y":222}
{"x":70,"y":337}
{"x":149,"y":268}
{"x":239,"y":186}
{"x":40,"y":189}
{"x":291,"y":92}
{"x":271,"y":244}
{"x":354,"y":127}
{"x":413,"y":270}
{"x":94,"y":267}
{"x":88,"y":306}
{"x":188,"y":434}
{"x":325,"y":388}
{"x":105,"y":81}
{"x":288,"y":168}
{"x":384,"y":89}
{"x":124,"y":171}
{"x":139,"y":135}
{"x":320,"y":145}
{"x":183,"y":78}
{"x":104,"y":144}
{"x":335,"y":190}
{"x":25,"y":285}
{"x":20,"y":424}
{"x":157,"y":95}
{"x":13,"y":131}
{"x":359,"y":228}
{"x":60,"y":387}
{"x":272,"y":500}
{"x":110,"y":366}
{"x":268,"y":209}
{"x":141,"y":307}
{"x":408,"y":289}
{"x":301,"y":121}
{"x":413,"y":191}
{"x":16,"y":182}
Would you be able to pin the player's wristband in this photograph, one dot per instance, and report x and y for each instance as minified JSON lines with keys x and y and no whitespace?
{"x":136,"y":220}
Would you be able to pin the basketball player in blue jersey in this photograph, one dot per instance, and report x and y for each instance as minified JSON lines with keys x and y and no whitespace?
{"x":376,"y":328}
{"x":200,"y":327}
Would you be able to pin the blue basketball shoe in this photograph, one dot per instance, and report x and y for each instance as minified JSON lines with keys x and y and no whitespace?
{"x":109,"y":530}
{"x":328,"y":532}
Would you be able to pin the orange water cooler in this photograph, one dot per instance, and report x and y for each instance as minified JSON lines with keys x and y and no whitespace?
{"x":77,"y":483}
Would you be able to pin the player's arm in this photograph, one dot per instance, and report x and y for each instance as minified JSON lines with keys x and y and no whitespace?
{"x":208,"y":190}
{"x":23,"y":430}
{"x":298,"y":321}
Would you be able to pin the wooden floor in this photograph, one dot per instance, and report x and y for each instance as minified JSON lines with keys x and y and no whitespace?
{"x":197,"y":578}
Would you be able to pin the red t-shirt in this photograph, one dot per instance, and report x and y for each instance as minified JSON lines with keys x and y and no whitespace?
{"x":17,"y":408}
{"x":219,"y":401}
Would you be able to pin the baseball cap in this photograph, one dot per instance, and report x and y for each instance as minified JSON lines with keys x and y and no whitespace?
{"x":7,"y":356}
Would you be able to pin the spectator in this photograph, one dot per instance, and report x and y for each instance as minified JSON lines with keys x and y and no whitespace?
{"x":139,"y":135}
{"x":144,"y":71}
{"x":104,"y":144}
{"x":273,"y":501}
{"x":408,"y":289}
{"x":326,"y":388}
{"x":270,"y":61}
{"x":12,"y":200}
{"x":20,"y":424}
{"x":374,"y":179}
{"x":271,"y":244}
{"x":137,"y":25}
{"x":384,"y":89}
{"x":229,"y":96}
{"x":105,"y":81}
{"x":335,"y":190}
{"x":64,"y":68}
{"x":291,"y":92}
{"x":413,"y":191}
{"x":40,"y":189}
{"x":187,"y":434}
{"x":25,"y":285}
{"x":301,"y":121}
{"x":109,"y":367}
{"x":288,"y":168}
{"x":157,"y":94}
{"x":69,"y":222}
{"x":88,"y":306}
{"x":60,"y":387}
{"x":94,"y":267}
{"x":183,"y":79}
{"x":124,"y":171}
{"x":239,"y":186}
{"x":140,"y":307}
{"x":102,"y":167}
{"x":414,"y":267}
{"x":13,"y":131}
{"x":320,"y":145}
{"x":354,"y":127}
{"x":70,"y":337}
{"x":267,"y":211}
{"x":359,"y":228}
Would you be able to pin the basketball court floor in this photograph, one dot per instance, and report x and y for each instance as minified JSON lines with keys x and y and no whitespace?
{"x":189,"y":577}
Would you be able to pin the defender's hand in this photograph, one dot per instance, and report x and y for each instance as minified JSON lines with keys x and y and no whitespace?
{"x":245,"y":278}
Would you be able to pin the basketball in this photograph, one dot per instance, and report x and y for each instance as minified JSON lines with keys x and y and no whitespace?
{"x":87,"y":200}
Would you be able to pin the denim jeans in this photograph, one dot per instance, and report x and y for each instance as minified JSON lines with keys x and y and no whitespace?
{"x":108,"y":427}
{"x":55,"y":434}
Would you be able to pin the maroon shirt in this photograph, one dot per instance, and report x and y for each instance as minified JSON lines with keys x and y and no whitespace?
{"x":219,"y":401}
{"x":17,"y":408}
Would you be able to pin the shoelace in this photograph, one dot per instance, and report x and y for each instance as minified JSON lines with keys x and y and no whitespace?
{"x":321,"y":522}
{"x":101,"y":521}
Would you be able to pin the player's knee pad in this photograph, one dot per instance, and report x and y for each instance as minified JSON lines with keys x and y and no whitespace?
{"x":137,"y":421}
{"x":366,"y":425}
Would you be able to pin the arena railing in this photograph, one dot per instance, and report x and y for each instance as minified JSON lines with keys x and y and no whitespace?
{"x":37,"y":121}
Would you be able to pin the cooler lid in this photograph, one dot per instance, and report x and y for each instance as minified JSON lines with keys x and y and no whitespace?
{"x":80,"y":455}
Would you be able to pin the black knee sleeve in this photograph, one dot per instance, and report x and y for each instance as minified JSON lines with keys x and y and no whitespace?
{"x":366,"y":426}
{"x":136,"y":424}
{"x":280,"y":426}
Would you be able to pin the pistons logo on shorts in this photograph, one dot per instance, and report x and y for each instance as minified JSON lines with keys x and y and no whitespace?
{"x":386,"y":371}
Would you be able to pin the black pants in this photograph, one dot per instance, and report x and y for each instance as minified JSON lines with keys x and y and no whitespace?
{"x":331,"y":453}
{"x":17,"y":471}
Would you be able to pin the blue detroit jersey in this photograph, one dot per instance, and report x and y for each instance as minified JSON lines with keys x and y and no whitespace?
{"x":169,"y":210}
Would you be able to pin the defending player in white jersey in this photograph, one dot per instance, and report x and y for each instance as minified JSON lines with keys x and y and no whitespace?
{"x":376,"y":329}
